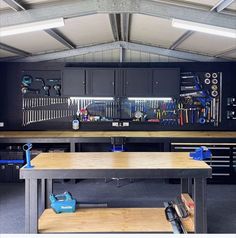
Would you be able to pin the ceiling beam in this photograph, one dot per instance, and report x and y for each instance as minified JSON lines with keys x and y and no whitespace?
{"x":61,"y":38}
{"x":14,"y":50}
{"x":14,"y":5}
{"x":170,"y":53}
{"x":71,"y":53}
{"x":221,"y":5}
{"x":52,"y":32}
{"x":124,"y":26}
{"x":118,"y":45}
{"x":85,"y":7}
{"x":122,"y":55}
{"x":181,"y":39}
{"x":226,"y":52}
{"x":114,"y":26}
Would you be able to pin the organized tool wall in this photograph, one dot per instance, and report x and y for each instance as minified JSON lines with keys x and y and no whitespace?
{"x":37,"y":96}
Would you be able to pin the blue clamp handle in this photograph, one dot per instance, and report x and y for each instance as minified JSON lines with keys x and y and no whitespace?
{"x":27,"y":148}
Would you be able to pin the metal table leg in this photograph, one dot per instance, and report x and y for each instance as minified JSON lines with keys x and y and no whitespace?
{"x":27,"y":205}
{"x":49,"y":190}
{"x":43,"y":195}
{"x":186,"y":185}
{"x":200,"y":212}
{"x":33,"y":209}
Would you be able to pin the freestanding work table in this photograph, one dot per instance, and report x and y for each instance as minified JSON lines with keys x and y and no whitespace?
{"x":49,"y":166}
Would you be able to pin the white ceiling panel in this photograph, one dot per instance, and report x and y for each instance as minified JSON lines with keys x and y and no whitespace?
{"x":34,"y":42}
{"x":88,"y":29}
{"x":153,"y":30}
{"x":3,"y":5}
{"x":207,"y":44}
{"x":4,"y":53}
{"x":232,"y":6}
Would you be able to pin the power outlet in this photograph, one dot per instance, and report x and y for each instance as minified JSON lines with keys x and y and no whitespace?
{"x":116,"y":124}
{"x":1,"y":124}
{"x":125,"y":123}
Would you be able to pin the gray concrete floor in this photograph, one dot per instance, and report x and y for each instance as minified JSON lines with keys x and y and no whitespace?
{"x":221,"y":203}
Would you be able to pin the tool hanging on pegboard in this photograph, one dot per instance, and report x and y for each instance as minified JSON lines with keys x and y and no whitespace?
{"x":200,"y":98}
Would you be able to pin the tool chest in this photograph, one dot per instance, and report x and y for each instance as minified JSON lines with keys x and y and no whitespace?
{"x":222,"y":160}
{"x":10,"y":163}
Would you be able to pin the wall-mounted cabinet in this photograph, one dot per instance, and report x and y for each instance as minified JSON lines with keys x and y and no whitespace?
{"x":101,"y":82}
{"x":166,"y":82}
{"x":126,"y":82}
{"x":74,"y":82}
{"x":137,"y":82}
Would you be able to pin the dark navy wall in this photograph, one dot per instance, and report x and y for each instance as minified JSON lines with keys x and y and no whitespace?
{"x":11,"y":97}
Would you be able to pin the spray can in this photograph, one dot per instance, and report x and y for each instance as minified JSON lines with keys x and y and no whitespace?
{"x":75,"y":123}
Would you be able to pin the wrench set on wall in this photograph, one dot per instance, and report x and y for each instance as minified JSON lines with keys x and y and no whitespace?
{"x":38,"y":109}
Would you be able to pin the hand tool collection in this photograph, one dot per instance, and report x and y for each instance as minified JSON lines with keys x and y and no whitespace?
{"x":40,"y":86}
{"x":199,"y":103}
{"x":200,"y":98}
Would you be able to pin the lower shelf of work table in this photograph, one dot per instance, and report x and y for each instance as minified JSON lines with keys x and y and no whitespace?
{"x":106,"y":220}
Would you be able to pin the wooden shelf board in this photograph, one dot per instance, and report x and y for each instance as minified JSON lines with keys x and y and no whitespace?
{"x":106,"y":220}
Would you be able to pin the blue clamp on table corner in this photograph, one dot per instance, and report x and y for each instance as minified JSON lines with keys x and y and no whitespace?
{"x":201,"y":153}
{"x":27,"y":148}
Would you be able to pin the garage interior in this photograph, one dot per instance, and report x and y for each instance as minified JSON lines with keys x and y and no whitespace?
{"x":152,"y":80}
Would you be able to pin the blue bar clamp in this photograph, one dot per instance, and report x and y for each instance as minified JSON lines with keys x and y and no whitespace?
{"x":27,"y":148}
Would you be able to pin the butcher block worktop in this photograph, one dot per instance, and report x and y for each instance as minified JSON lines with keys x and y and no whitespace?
{"x":149,"y":134}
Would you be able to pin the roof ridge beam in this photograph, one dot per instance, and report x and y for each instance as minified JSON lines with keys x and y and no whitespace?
{"x":117,"y":45}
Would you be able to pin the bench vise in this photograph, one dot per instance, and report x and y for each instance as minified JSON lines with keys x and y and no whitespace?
{"x":62,"y":202}
{"x":201,"y":153}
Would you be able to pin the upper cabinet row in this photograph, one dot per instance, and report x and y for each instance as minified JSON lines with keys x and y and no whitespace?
{"x":126,"y":82}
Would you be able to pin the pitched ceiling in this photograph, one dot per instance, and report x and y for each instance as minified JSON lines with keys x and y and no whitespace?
{"x":96,"y":29}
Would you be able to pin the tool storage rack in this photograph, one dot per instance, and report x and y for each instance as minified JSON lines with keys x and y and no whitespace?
{"x":48,"y":166}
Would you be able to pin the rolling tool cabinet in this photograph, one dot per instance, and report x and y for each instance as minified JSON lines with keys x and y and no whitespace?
{"x":49,"y":166}
{"x":222,"y":161}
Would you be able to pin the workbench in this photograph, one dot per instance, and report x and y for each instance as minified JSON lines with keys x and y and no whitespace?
{"x":49,"y":166}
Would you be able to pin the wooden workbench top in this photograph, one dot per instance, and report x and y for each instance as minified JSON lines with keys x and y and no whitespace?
{"x":111,"y":160}
{"x":150,"y":134}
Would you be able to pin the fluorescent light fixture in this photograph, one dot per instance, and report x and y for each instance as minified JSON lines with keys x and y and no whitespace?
{"x":209,"y":29}
{"x":31,"y":27}
{"x":92,"y":98}
{"x":149,"y":99}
